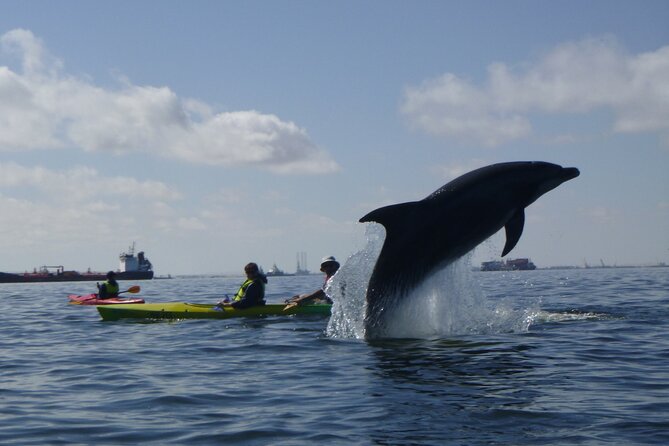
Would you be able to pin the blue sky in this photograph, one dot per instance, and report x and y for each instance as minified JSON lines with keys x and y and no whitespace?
{"x":215,"y":133}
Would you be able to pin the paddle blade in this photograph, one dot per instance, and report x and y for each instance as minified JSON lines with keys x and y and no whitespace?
{"x":289,"y":306}
{"x":133,"y":289}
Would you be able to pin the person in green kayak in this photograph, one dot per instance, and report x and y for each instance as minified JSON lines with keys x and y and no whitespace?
{"x":251,"y":293}
{"x":109,"y":288}
{"x":329,"y":266}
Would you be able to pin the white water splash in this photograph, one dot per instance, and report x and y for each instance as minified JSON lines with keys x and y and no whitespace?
{"x":348,"y":288}
{"x":547,"y":316}
{"x":448,"y":303}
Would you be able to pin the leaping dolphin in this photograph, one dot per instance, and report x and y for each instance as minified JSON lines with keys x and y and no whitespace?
{"x":424,"y":236}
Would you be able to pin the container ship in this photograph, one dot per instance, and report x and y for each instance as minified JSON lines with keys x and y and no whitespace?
{"x":131,"y":267}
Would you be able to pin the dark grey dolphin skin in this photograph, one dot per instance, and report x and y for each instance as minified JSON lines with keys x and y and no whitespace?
{"x":424,"y":236}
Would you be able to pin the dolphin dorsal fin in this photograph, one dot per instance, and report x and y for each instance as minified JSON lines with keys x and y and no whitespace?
{"x":514,"y":229}
{"x":392,"y":216}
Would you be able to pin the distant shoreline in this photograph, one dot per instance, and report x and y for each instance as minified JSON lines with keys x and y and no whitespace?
{"x":572,"y":267}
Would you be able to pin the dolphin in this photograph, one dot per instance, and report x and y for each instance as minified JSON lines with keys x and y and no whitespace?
{"x":422,"y":237}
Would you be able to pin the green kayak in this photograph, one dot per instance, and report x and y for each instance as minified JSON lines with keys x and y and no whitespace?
{"x":184,"y":310}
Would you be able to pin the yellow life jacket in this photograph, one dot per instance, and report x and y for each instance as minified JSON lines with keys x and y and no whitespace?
{"x":112,"y":290}
{"x":242,"y":289}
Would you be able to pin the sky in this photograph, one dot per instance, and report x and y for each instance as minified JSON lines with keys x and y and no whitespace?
{"x":214,"y":133}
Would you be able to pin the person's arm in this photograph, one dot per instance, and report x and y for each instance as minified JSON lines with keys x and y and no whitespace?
{"x":307,"y":298}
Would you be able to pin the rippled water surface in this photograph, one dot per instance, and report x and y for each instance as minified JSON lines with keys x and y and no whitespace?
{"x":588,"y":365}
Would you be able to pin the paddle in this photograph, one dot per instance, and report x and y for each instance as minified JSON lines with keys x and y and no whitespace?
{"x":133,"y":290}
{"x":294,"y":301}
{"x":289,"y":306}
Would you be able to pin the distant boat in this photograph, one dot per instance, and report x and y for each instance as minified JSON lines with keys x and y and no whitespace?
{"x":523,"y":264}
{"x":131,"y":267}
{"x":493,"y":265}
{"x":275,"y":271}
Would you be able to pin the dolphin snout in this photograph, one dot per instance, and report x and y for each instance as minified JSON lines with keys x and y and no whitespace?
{"x":569,"y":172}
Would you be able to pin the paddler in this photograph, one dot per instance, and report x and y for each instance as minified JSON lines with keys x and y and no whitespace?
{"x":252,"y":292}
{"x":329,"y":266}
{"x":109,"y":288}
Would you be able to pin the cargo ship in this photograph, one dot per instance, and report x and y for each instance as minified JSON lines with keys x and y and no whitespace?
{"x":131,"y":267}
{"x":509,"y":265}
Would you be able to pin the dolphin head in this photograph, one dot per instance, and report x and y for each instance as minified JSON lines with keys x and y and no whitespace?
{"x":542,"y":177}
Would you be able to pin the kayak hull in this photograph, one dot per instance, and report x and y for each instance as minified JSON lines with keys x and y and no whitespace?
{"x":184,"y":310}
{"x":92,"y":299}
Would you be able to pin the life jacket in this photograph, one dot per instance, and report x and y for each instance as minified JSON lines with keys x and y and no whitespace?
{"x":112,"y":289}
{"x":247,"y":283}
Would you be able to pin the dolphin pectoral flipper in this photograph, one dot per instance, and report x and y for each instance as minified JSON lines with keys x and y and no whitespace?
{"x":514,"y":229}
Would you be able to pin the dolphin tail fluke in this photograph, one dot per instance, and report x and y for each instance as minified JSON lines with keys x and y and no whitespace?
{"x":390,"y":216}
{"x":514,"y":229}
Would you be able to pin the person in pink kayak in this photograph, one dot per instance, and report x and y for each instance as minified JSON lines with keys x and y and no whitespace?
{"x":109,"y":288}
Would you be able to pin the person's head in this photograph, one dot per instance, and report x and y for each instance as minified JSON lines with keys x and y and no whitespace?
{"x":111,"y":275}
{"x":251,"y":269}
{"x":329,"y":265}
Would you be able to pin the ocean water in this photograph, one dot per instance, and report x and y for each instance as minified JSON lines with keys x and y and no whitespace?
{"x":547,"y":357}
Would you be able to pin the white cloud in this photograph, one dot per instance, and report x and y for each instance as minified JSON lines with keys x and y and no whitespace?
{"x":190,"y":224}
{"x":83,"y":206}
{"x":28,"y":223}
{"x":43,"y":108}
{"x":575,"y":77}
{"x":30,"y":50}
{"x":452,"y":107}
{"x":81,"y":183}
{"x":603,"y":215}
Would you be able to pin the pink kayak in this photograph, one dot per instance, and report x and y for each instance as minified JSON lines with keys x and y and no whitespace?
{"x":92,"y":299}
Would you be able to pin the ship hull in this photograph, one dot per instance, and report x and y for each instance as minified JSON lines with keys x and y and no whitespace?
{"x":73,"y":276}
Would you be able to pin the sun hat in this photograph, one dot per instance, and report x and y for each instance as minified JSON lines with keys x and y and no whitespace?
{"x":329,"y":259}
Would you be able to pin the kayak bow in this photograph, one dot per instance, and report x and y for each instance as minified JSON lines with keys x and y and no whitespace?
{"x":92,"y":299}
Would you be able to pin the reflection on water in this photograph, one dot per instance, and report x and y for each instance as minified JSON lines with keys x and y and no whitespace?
{"x":424,"y":383}
{"x":440,"y":366}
